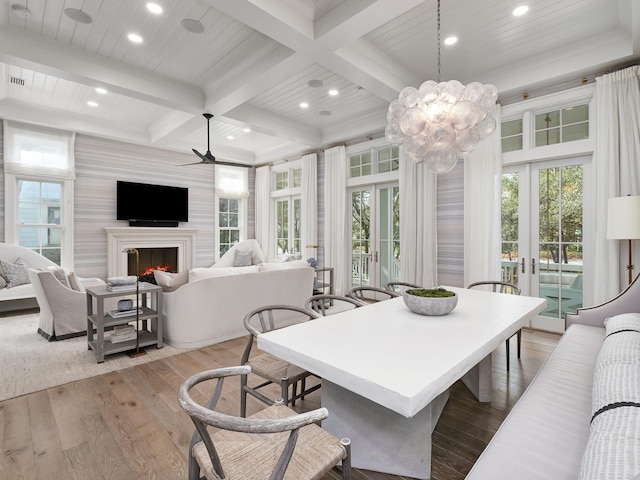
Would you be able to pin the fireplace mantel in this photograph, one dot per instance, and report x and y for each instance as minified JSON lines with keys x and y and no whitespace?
{"x":121,"y":238}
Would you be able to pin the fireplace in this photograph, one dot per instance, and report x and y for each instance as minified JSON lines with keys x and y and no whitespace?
{"x":174,"y":245}
{"x":150,"y":259}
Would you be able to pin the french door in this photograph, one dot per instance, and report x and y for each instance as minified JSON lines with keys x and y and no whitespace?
{"x":546,"y":234}
{"x":375,"y":235}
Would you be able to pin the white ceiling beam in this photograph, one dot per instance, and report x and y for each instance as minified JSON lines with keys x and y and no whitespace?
{"x":276,"y":125}
{"x":29,"y":50}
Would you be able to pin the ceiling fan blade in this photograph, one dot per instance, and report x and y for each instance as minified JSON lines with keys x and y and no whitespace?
{"x":232,"y":164}
{"x":195,"y":163}
{"x":199,"y":154}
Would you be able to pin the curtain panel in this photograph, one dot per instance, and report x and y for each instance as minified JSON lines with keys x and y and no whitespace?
{"x":617,"y":169}
{"x":263,"y":223}
{"x":336,"y":242}
{"x":309,"y":205}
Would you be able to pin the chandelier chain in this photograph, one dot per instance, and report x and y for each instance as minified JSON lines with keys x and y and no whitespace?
{"x":438,"y":38}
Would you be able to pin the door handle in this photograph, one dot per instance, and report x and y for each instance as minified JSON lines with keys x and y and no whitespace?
{"x":533,"y":266}
{"x":375,"y":256}
{"x":523,"y":265}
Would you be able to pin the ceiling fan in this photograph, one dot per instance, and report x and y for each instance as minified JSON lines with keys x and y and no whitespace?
{"x":208,"y":158}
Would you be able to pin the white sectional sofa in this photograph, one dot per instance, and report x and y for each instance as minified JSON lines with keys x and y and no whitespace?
{"x":210,"y":308}
{"x":548,"y":434}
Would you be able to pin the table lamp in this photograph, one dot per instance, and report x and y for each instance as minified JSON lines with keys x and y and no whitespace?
{"x":623,"y":222}
{"x":137,"y":352}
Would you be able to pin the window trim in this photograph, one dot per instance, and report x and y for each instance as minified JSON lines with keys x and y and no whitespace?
{"x":241,"y":195}
{"x":289,"y":194}
{"x":372,"y":146}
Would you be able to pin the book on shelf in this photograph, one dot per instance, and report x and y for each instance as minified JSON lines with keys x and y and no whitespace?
{"x":123,"y":313}
{"x":122,"y":333}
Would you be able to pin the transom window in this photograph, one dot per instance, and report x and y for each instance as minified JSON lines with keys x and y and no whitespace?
{"x":512,"y":135}
{"x":286,"y":193}
{"x":560,"y":126}
{"x":377,"y":160}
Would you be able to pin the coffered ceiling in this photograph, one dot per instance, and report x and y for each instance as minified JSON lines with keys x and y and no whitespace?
{"x":255,"y":61}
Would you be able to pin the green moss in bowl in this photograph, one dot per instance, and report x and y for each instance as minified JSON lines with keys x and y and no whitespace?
{"x":425,"y":301}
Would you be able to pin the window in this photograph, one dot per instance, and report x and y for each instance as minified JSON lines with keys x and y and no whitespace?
{"x":286,"y":194}
{"x":512,"y":136}
{"x":375,"y":160}
{"x":560,"y":126}
{"x":232,"y":191}
{"x":39,"y":174}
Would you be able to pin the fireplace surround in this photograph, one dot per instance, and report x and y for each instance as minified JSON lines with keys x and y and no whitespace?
{"x":121,"y":238}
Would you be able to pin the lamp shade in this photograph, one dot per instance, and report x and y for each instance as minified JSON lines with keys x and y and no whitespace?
{"x":624,"y":218}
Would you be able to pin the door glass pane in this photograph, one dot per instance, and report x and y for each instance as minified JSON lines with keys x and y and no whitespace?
{"x":510,"y":255}
{"x":361,"y":237}
{"x":561,"y":235}
{"x":282,"y":226}
{"x":389,"y":221}
{"x":297,"y":207}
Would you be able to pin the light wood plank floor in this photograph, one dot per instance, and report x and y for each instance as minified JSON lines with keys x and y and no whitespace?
{"x":128,"y":425}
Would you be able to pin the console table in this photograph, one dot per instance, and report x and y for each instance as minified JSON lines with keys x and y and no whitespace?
{"x":98,"y":319}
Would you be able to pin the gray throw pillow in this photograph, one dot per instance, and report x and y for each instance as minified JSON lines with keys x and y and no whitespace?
{"x":242,"y":259}
{"x":15,"y":273}
{"x":3,"y":282}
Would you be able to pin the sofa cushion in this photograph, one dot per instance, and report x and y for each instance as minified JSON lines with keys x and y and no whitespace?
{"x":267,"y":267}
{"x":15,"y":273}
{"x":242,"y":259}
{"x":170,"y":281}
{"x":200,"y":273}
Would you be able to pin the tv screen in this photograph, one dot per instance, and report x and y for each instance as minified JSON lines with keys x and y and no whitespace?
{"x":149,"y":204}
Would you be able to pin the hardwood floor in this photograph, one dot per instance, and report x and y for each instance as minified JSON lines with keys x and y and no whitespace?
{"x":128,"y":425}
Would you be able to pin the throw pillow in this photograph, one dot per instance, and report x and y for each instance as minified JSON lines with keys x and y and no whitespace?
{"x":74,"y":283}
{"x":3,"y":282}
{"x":15,"y":273}
{"x":170,"y":281}
{"x":622,"y":322}
{"x":59,"y":273}
{"x":242,"y":259}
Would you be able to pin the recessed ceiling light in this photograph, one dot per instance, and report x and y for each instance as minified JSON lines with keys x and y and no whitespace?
{"x":92,"y":104}
{"x":154,"y":8}
{"x":324,"y":113}
{"x":451,"y":40}
{"x":315,"y":83}
{"x":135,"y":38}
{"x":101,"y":90}
{"x":246,"y":130}
{"x":230,"y":137}
{"x":304,"y":105}
{"x":20,"y":11}
{"x":78,"y":15}
{"x":521,"y":10}
{"x":333,"y":92}
{"x":191,"y":25}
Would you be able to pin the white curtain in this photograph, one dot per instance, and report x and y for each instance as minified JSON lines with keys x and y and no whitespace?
{"x":482,"y":204}
{"x":264,"y":225}
{"x":617,"y":168}
{"x":336,"y":216}
{"x":418,"y":224}
{"x":309,"y":205}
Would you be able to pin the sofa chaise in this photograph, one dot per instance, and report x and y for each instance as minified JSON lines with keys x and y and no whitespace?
{"x":579,"y":417}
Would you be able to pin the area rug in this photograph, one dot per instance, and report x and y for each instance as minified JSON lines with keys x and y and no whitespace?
{"x":29,"y":363}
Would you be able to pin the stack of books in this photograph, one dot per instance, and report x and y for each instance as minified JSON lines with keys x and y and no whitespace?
{"x":122,"y":284}
{"x":123,"y":313}
{"x":122,"y":333}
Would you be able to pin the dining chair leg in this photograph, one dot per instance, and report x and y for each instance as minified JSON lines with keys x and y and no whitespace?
{"x":508,"y":354}
{"x":243,"y":396}
{"x":284,"y":389}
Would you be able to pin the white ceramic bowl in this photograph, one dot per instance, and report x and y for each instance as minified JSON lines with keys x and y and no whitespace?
{"x":429,"y":305}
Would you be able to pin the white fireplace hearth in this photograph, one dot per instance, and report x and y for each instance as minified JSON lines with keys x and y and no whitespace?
{"x":121,"y":238}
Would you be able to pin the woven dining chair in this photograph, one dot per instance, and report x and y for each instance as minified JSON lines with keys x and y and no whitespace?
{"x":368,"y":294}
{"x":502,"y":287}
{"x":400,"y":287}
{"x":271,"y":368}
{"x":323,"y":303}
{"x":275,"y":443}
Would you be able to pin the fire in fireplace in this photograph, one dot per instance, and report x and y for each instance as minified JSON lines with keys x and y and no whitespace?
{"x":150,"y":259}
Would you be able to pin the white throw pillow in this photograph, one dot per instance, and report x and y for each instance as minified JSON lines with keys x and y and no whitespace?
{"x":246,"y":246}
{"x":242,"y":259}
{"x":15,"y":273}
{"x":200,"y":273}
{"x":622,"y":322}
{"x":60,"y":274}
{"x":74,"y":283}
{"x":170,"y":281}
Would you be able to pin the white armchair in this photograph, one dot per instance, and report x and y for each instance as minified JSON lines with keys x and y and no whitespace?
{"x":63,"y":310}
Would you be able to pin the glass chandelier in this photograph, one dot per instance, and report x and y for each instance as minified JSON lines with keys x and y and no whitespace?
{"x":441,"y":122}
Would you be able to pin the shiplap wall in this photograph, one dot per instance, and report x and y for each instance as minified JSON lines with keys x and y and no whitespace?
{"x":450,"y":216}
{"x":1,"y":180}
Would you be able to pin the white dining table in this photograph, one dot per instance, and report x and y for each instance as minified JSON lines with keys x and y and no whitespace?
{"x":386,"y":371}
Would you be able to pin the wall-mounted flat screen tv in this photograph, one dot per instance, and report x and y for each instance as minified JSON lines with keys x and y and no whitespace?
{"x":147,"y":205}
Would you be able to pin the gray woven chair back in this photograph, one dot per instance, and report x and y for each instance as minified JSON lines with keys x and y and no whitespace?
{"x":327,"y":304}
{"x":371,"y":294}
